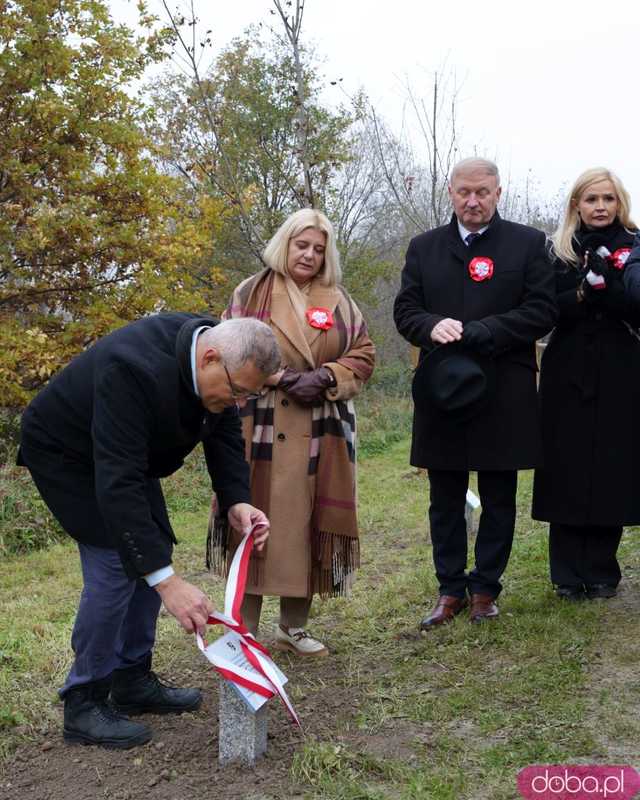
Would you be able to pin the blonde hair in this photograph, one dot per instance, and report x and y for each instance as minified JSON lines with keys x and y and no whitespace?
{"x":563,"y":238}
{"x":276,"y":252}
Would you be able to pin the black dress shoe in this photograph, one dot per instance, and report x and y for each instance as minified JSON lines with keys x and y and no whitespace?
{"x":90,"y":719}
{"x":134,"y":692}
{"x":570,"y":592}
{"x":600,"y":590}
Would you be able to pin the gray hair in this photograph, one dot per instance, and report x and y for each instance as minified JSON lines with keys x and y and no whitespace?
{"x":245,"y":339}
{"x":481,"y":164}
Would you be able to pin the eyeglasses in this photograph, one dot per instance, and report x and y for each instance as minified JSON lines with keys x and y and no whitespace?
{"x":243,"y":394}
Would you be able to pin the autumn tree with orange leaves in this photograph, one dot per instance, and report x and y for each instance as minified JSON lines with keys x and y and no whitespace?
{"x":92,"y":235}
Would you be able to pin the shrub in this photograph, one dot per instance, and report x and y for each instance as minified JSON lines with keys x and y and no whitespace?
{"x":9,"y":434}
{"x":25,"y":521}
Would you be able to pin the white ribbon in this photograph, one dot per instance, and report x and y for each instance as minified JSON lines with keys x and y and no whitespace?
{"x":265,"y":680}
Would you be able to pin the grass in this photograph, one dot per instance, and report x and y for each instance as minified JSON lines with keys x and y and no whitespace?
{"x":455,"y":714}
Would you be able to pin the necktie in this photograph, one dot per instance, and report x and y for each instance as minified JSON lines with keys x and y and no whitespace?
{"x":471,"y":237}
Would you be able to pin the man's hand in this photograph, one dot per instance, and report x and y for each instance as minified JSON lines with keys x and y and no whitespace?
{"x":447,"y":330}
{"x":243,"y":517}
{"x":274,"y":380}
{"x":185,"y":602}
{"x":476,"y":336}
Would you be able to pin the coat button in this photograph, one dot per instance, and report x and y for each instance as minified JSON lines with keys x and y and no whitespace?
{"x":281,"y":437}
{"x":126,"y":536}
{"x":139,"y":559}
{"x":285,"y":402}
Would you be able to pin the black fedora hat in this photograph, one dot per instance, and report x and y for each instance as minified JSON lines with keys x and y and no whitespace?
{"x":454,"y":381}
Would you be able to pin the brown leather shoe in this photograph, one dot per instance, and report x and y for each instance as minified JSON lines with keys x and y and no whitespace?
{"x":446,"y":609}
{"x":483,"y":607}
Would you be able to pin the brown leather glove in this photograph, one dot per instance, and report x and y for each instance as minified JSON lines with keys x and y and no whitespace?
{"x":309,"y":387}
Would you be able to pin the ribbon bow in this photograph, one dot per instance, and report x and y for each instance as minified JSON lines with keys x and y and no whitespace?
{"x":265,"y":681}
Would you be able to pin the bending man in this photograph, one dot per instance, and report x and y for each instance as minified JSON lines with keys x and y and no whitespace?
{"x":96,"y":440}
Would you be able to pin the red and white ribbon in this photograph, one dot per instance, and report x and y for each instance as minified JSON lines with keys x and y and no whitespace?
{"x":265,"y":681}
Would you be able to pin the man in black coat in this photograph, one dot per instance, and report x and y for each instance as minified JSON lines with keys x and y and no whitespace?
{"x":483,"y":287}
{"x":96,"y":440}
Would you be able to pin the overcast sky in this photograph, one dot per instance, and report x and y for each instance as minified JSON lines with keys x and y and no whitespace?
{"x":549,"y":86}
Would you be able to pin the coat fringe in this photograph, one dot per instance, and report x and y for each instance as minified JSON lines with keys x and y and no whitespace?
{"x":217,"y":543}
{"x":335,"y":559}
{"x":218,"y":555}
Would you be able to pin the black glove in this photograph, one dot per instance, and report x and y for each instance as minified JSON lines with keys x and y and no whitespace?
{"x":616,"y":301}
{"x":593,"y":294}
{"x":476,"y":336}
{"x":309,"y":387}
{"x":596,"y":263}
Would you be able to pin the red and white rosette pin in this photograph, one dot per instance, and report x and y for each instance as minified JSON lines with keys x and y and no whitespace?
{"x":480,"y":268}
{"x":619,"y":257}
{"x":321,"y":318}
{"x":264,"y":678}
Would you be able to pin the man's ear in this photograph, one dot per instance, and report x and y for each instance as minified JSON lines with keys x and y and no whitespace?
{"x":498,"y":192}
{"x":211,"y":355}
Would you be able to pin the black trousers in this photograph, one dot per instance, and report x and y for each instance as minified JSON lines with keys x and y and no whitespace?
{"x":584,"y":554}
{"x":449,"y":531}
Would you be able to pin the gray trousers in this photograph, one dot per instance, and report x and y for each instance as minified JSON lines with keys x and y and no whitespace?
{"x":115,"y":626}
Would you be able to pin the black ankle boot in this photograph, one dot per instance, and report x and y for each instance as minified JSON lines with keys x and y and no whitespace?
{"x":90,"y":719}
{"x":137,"y":690}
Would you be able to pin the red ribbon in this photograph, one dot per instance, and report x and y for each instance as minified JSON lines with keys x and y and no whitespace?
{"x":266,"y":682}
{"x":619,"y":258}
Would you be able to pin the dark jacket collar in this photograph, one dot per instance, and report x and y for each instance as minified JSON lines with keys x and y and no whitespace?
{"x":459,"y":247}
{"x":183,"y":350}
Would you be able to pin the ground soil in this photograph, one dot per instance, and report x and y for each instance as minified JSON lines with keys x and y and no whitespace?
{"x":181,"y":761}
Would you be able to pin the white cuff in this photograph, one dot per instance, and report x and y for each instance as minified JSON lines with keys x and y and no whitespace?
{"x":159,"y":575}
{"x":595,"y":280}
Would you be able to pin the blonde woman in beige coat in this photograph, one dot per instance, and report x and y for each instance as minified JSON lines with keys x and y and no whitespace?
{"x":300,"y":436}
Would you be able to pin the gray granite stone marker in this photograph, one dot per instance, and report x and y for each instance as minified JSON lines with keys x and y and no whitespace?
{"x":471,"y":516}
{"x":242,"y":734}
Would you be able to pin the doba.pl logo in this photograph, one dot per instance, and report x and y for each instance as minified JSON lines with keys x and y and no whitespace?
{"x":578,"y":782}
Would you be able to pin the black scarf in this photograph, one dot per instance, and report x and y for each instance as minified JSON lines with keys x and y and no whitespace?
{"x":592,"y":238}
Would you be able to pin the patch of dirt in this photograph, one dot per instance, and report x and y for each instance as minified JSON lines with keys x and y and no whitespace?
{"x":614,"y":684}
{"x":181,"y":761}
{"x":398,"y":739}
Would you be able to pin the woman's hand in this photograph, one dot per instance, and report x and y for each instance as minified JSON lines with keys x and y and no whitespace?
{"x":307,"y":387}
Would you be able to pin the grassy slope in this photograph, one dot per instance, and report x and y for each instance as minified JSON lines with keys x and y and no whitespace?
{"x":455,"y":714}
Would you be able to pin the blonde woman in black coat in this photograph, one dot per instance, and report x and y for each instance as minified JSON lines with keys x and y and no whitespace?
{"x":590,"y":393}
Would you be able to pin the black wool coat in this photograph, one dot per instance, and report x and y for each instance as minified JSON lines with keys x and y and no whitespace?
{"x":631,"y":274}
{"x":120,"y":416}
{"x":517,"y":304}
{"x":590,"y":404}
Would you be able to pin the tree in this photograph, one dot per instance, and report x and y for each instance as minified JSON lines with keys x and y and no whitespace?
{"x":235,"y":130}
{"x":417,"y":163}
{"x":91,"y":234}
